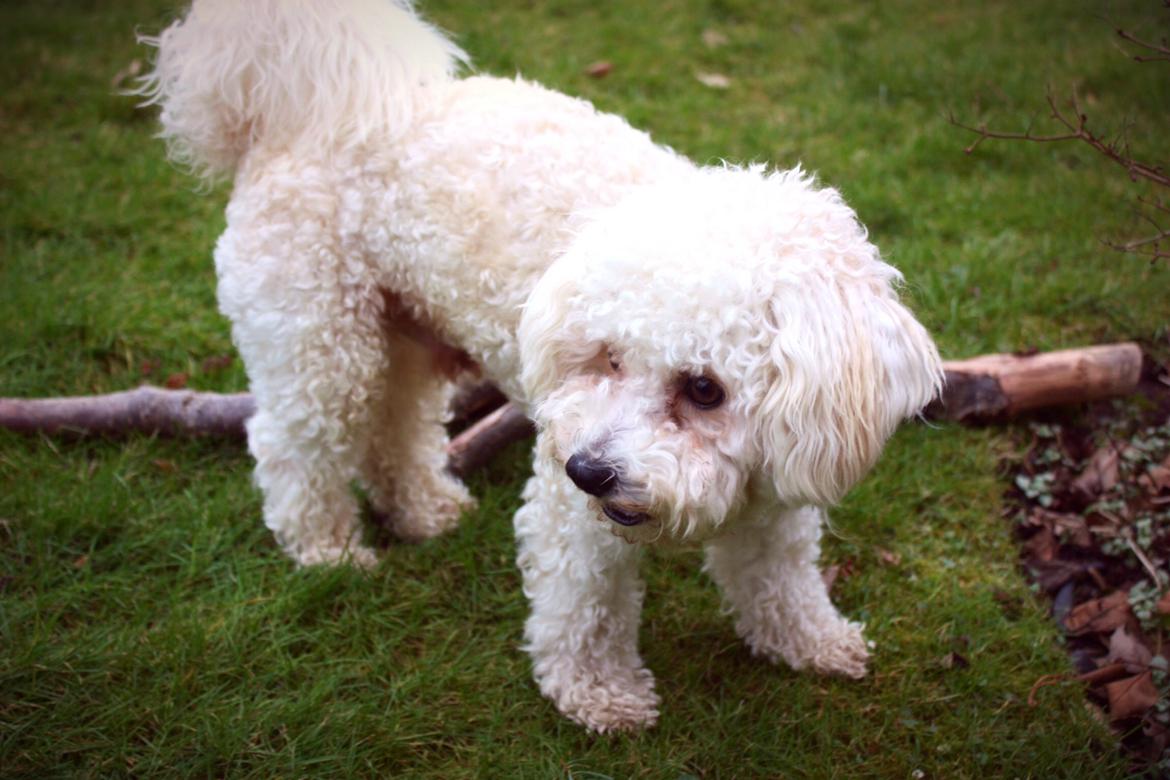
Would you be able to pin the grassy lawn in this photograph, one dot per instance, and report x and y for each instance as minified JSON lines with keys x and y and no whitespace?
{"x":148,"y":625}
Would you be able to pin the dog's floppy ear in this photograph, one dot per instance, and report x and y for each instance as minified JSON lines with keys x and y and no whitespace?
{"x":848,"y":363}
{"x":543,"y":334}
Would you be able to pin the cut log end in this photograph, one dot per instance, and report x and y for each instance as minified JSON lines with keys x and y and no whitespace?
{"x":992,"y":387}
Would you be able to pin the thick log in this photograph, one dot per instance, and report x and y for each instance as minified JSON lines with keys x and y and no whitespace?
{"x":991,"y":387}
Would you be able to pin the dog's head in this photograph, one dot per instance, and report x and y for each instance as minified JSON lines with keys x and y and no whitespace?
{"x":714,"y":341}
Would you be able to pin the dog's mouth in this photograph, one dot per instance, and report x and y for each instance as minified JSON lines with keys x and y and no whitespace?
{"x":624,"y":517}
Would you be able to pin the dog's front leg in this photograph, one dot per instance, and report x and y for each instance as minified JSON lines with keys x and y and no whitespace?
{"x":586,"y":598}
{"x":768,"y":574}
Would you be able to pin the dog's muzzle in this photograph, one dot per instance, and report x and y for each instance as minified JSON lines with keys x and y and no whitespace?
{"x":599,"y":479}
{"x":593,"y":476}
{"x":622,"y":517}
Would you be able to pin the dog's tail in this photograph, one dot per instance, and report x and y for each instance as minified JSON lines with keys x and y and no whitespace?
{"x":304,"y":73}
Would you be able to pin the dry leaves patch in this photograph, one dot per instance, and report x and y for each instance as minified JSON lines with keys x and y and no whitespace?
{"x":1092,"y":503}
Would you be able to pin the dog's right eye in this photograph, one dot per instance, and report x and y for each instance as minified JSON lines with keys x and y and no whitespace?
{"x":605,"y":363}
{"x":703,"y":392}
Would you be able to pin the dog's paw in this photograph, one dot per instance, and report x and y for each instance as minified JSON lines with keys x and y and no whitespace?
{"x":834,"y":647}
{"x":427,"y":509}
{"x":625,"y":704}
{"x":842,"y":651}
{"x":358,"y":555}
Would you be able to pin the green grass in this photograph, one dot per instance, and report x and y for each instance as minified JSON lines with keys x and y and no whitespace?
{"x":148,"y":625}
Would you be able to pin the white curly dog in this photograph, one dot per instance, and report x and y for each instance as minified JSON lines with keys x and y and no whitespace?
{"x":711,"y":354}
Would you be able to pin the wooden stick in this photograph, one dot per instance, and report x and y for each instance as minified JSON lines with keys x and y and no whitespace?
{"x":474,"y":447}
{"x":983,"y":388}
{"x":153,"y":410}
{"x":144,"y":410}
{"x":473,"y":400}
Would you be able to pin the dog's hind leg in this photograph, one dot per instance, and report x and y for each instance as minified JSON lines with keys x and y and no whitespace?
{"x":405,"y":464}
{"x":313,"y":344}
{"x":307,"y":437}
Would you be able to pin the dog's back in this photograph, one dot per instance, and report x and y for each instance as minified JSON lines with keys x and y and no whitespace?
{"x":348,"y":111}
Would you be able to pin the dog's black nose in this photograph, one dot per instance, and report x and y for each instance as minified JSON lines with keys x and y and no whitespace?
{"x":592,"y":476}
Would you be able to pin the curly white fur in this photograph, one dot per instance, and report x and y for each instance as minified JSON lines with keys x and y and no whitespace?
{"x":595,"y":276}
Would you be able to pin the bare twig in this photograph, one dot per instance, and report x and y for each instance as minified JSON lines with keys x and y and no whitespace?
{"x":1095,"y":677}
{"x":1077,"y":125}
{"x":1151,"y":246}
{"x":1127,"y":535}
{"x":1161,"y":50}
{"x":1076,"y":122}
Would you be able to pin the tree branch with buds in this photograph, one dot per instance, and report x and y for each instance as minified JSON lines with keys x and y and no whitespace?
{"x":1075,"y":121}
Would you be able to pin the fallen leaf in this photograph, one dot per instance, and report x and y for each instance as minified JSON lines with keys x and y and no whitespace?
{"x":1099,"y":615}
{"x":1084,"y":659}
{"x":1100,"y":474}
{"x":1009,"y":604}
{"x":1163,"y":605}
{"x":1157,"y":478}
{"x":1131,"y":697}
{"x":1042,"y":545}
{"x":713,"y":39}
{"x":216,"y":363}
{"x":714,"y":80}
{"x":953,"y":660}
{"x":599,"y":69}
{"x":1052,"y":575}
{"x":1069,"y":527}
{"x":1128,"y":649}
{"x":1159,"y":735}
{"x":80,"y":561}
{"x":838,"y":571}
{"x":148,"y":367}
{"x":167,"y":466}
{"x":177,"y":381}
{"x":887,"y":557}
{"x":1063,"y":602}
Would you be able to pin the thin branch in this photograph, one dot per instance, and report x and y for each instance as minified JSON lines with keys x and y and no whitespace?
{"x":1078,"y":131}
{"x":1149,"y":246}
{"x":1156,"y":203}
{"x":1145,"y":247}
{"x":1161,"y":50}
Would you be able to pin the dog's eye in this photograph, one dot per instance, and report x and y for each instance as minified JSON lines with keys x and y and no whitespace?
{"x":703,"y":392}
{"x":615,"y":365}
